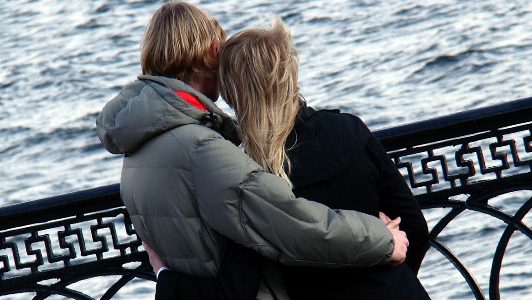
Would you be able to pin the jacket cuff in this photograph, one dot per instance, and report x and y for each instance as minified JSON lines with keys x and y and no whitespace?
{"x":388,"y":257}
{"x":165,"y":285}
{"x":160,"y":270}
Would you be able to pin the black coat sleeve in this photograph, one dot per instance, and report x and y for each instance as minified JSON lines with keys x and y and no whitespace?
{"x":396,"y":199}
{"x":238,"y":279}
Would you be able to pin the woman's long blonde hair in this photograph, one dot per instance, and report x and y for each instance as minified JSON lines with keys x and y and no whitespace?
{"x":258,"y":79}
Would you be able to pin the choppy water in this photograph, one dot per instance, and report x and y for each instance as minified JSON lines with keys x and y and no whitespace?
{"x":390,"y":62}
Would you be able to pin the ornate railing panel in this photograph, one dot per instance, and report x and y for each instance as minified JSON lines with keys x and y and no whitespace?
{"x":463,"y":163}
{"x":70,"y":238}
{"x":474,"y":165}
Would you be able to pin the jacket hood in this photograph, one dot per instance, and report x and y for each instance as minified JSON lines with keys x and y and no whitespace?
{"x":149,"y":106}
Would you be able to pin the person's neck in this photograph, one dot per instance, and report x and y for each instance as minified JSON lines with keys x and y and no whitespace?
{"x":198,"y":86}
{"x":207,"y":86}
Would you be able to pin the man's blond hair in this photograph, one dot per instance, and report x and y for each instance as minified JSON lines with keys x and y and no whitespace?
{"x":258,"y":79}
{"x":177,"y":41}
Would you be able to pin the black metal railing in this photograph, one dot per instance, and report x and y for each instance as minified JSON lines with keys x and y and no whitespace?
{"x":459,"y":162}
{"x":69,"y":238}
{"x":463,"y":161}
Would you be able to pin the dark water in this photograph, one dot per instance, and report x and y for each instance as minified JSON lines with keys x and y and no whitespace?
{"x":390,"y":62}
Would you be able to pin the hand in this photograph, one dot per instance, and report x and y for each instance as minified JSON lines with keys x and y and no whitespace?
{"x":389,"y":222}
{"x":399,"y":237}
{"x":155,"y":260}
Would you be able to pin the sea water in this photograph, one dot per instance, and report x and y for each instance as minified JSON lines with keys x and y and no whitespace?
{"x":389,"y":62}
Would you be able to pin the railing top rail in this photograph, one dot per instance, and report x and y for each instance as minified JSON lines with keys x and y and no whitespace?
{"x":61,"y":206}
{"x":456,"y":125}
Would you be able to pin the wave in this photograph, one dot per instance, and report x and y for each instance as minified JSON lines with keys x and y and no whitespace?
{"x":25,"y":137}
{"x":470,"y":61}
{"x":408,"y":11}
{"x":450,"y":59}
{"x":47,"y":138}
{"x":7,"y":84}
{"x":13,"y":130}
{"x":91,"y":24}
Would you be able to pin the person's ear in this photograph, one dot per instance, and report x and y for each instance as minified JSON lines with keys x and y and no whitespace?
{"x":213,"y":50}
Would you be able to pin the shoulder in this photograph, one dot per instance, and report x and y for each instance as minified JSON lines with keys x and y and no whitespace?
{"x":341,"y":118}
{"x":339,"y":126}
{"x":194,"y":133}
{"x":172,"y":144}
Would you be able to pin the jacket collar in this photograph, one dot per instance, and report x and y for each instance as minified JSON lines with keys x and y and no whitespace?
{"x":213,"y":118}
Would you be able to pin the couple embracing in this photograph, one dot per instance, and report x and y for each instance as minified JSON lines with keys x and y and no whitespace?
{"x":313,"y":208}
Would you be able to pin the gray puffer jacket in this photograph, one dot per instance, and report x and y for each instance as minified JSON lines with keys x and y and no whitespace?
{"x":187,"y":189}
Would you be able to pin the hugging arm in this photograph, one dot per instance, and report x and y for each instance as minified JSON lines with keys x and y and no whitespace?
{"x":257,"y":209}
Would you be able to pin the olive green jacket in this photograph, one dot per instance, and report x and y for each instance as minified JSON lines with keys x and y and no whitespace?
{"x":187,"y":189}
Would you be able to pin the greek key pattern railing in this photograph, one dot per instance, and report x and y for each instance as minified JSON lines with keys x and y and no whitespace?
{"x":475,"y":157}
{"x":475,"y":165}
{"x":461,"y":164}
{"x":70,"y":247}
